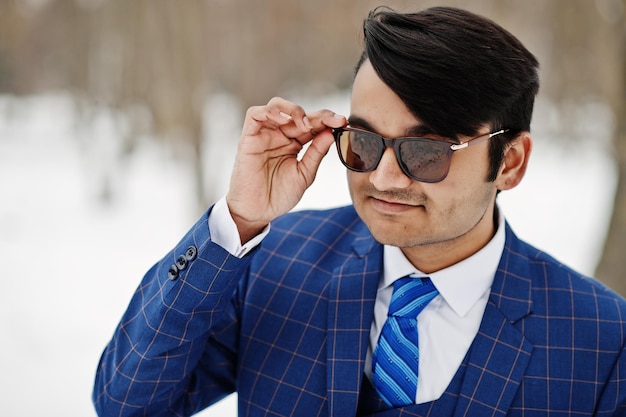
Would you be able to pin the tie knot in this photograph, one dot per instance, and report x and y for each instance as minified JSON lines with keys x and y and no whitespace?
{"x":410,"y":296}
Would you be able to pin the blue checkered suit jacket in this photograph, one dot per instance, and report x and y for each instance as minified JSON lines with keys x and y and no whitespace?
{"x":287,"y":327}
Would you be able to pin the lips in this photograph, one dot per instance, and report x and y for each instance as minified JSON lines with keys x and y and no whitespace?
{"x":392,"y":202}
{"x":391,"y":206}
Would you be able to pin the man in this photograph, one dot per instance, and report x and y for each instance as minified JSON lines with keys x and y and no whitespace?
{"x":300,"y":313}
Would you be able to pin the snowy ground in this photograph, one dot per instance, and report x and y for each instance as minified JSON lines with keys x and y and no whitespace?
{"x":71,"y":263}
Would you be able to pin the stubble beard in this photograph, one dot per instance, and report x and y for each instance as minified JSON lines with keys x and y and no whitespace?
{"x":393,"y":231}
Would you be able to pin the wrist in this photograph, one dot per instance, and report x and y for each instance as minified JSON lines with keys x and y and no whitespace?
{"x":246,"y":228}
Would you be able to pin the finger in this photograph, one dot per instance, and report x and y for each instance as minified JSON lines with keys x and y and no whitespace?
{"x":312,"y":158}
{"x":293,"y":111}
{"x":268,"y":113}
{"x":320,"y":121}
{"x":258,"y":117}
{"x":335,"y":120}
{"x":324,"y":119}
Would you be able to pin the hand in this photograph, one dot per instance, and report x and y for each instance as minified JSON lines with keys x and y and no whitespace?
{"x":268,"y":180}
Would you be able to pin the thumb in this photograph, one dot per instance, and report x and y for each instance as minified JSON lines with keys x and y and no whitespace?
{"x":312,"y":158}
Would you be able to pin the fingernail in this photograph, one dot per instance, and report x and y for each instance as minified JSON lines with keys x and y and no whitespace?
{"x":307,"y":122}
{"x":338,"y":116}
{"x":285,"y":115}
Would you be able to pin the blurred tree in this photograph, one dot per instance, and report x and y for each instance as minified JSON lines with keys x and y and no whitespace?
{"x":612,"y":266}
{"x":13,"y":26}
{"x":587,"y":65}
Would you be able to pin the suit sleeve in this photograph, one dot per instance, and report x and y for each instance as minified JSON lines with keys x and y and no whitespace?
{"x":613,"y":398}
{"x":174,"y":351}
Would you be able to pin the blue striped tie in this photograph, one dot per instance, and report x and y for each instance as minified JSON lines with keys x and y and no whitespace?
{"x":396,"y":357}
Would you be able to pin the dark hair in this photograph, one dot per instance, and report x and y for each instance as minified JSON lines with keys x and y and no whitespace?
{"x":455,"y":71}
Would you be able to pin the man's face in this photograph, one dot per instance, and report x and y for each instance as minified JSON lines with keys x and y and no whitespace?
{"x":435,"y":224}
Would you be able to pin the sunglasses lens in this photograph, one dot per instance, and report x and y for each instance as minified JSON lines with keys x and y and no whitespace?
{"x":421,"y":159}
{"x":359,"y":150}
{"x":425,"y":160}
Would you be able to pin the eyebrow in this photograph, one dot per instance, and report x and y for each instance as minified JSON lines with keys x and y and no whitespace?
{"x":417,"y":130}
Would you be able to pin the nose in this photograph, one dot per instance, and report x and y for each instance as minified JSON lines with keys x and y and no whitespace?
{"x":388,"y":174}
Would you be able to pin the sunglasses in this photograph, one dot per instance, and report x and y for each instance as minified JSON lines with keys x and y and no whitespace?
{"x":421,"y":159}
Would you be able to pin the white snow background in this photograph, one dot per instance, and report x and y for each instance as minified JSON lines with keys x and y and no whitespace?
{"x":71,"y":263}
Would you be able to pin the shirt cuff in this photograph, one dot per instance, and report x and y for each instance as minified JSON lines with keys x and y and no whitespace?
{"x":224,"y":231}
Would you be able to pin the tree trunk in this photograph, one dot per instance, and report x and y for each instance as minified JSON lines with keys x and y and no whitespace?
{"x":612,"y":266}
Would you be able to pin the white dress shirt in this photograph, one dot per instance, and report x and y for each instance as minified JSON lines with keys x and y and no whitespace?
{"x":448,"y":324}
{"x":224,"y":231}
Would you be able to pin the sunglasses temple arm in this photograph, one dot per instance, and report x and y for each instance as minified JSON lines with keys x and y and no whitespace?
{"x":477,"y":140}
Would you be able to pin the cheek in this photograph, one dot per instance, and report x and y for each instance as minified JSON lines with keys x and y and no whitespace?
{"x":356,"y":181}
{"x":460,"y":195}
{"x":473,"y":166}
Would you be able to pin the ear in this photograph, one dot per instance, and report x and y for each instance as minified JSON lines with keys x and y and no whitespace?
{"x":515,"y":162}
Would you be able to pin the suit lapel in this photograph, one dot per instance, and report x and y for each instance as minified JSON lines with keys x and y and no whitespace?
{"x":500,"y":353}
{"x":498,"y":359}
{"x":350,"y":310}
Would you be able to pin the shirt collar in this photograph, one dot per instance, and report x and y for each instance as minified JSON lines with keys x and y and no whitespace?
{"x":461,"y":284}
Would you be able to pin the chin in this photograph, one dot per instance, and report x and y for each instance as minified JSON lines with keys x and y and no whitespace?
{"x":401,"y":238}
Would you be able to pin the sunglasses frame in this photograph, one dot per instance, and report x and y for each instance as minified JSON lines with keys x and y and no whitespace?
{"x":395,"y":143}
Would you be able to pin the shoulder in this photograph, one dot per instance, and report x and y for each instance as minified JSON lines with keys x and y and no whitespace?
{"x":558,"y":289}
{"x":326,"y":225}
{"x":312,"y":237}
{"x":333,"y":218}
{"x":302,"y":251}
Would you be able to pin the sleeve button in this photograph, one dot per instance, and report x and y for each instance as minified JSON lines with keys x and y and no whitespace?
{"x":172,"y":273}
{"x":191,"y":253}
{"x":181,"y":262}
